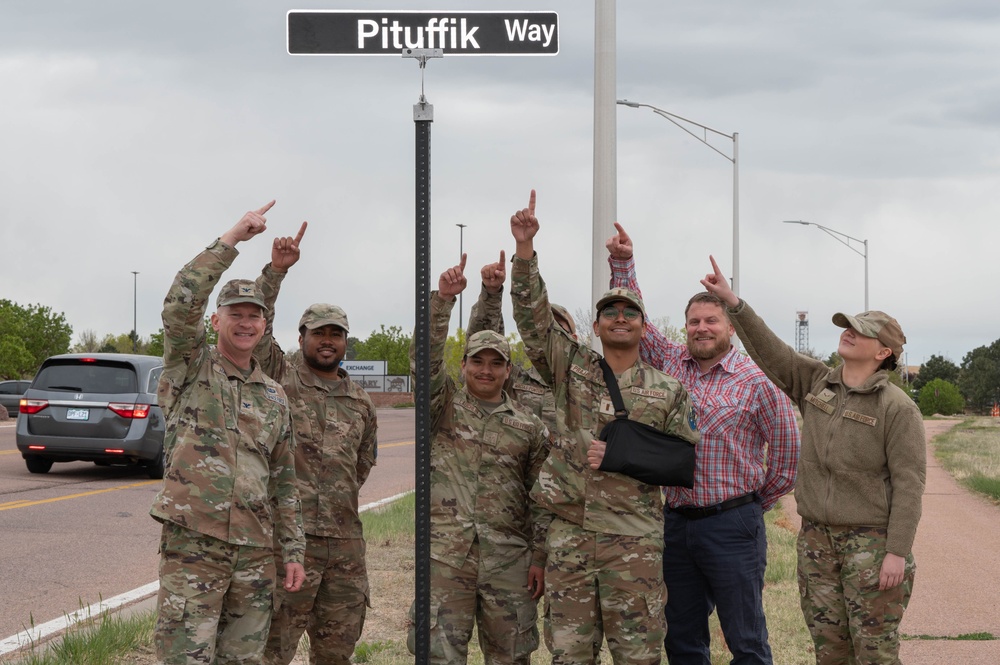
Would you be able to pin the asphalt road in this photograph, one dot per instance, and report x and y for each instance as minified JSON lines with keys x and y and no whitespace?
{"x":82,"y":533}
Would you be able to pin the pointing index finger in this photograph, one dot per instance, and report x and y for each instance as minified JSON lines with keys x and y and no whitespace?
{"x":715,"y":266}
{"x":461,"y":265}
{"x":502,"y":262}
{"x":265,"y":207}
{"x":531,"y":202}
{"x":302,"y":232}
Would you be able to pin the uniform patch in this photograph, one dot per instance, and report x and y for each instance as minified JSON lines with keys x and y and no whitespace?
{"x":516,"y":424}
{"x":576,"y":369}
{"x":693,"y":419}
{"x":528,"y":388}
{"x":467,"y":406}
{"x":491,"y":437}
{"x":607,"y":408}
{"x":275,"y":397}
{"x":246,"y":405}
{"x":645,"y":392}
{"x":821,"y":405}
{"x":827,"y":395}
{"x":861,"y":418}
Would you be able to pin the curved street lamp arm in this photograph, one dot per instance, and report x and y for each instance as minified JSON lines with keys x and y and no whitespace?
{"x":838,"y":236}
{"x":673,"y":117}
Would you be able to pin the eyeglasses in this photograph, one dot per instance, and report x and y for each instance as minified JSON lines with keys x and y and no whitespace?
{"x":612,"y":312}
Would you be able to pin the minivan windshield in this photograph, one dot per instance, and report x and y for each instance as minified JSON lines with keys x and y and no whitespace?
{"x":87,"y":377}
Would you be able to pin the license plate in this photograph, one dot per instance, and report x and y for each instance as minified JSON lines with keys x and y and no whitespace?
{"x":77,"y":414}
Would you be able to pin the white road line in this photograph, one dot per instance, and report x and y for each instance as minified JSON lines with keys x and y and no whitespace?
{"x":38,"y":633}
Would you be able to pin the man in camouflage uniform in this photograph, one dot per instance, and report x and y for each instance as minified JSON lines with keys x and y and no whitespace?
{"x":487,"y":553}
{"x":229,"y":488}
{"x":605,"y":543}
{"x":529,"y":387}
{"x":335,"y":434}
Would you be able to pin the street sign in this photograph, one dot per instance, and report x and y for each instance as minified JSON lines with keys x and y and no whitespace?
{"x":354,"y":32}
{"x":365,"y":367}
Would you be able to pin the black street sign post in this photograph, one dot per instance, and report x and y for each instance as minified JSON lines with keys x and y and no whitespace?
{"x":422,"y":35}
{"x":348,"y":32}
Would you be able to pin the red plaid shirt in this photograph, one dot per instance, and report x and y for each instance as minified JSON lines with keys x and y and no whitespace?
{"x":749,"y":437}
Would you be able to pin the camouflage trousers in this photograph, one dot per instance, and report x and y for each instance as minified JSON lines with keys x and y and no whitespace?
{"x":214,"y":604}
{"x":600,"y":585}
{"x":330,"y":606}
{"x":499,"y":604}
{"x":850,"y":620}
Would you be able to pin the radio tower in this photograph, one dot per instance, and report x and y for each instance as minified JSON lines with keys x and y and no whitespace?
{"x":802,"y":332}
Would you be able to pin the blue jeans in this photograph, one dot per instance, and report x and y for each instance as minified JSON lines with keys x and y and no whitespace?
{"x":715,"y":562}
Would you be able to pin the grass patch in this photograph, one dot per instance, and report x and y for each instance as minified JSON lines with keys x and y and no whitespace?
{"x":404,"y":405}
{"x":109,"y":639}
{"x":970,"y":452}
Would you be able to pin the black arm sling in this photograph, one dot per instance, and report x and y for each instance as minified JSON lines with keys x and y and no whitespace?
{"x":642,"y":451}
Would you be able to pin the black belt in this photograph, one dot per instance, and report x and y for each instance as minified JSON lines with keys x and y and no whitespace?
{"x":697,"y":513}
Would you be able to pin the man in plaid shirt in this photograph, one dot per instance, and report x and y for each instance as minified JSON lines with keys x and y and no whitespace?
{"x":715,"y":548}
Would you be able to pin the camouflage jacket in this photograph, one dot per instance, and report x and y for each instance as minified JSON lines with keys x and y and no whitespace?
{"x":527,"y":387}
{"x":335,"y":431}
{"x":228,"y":445}
{"x":597,"y":501}
{"x":483,"y":466}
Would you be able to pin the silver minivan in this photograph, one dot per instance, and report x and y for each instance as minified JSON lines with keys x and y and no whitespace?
{"x":96,"y":407}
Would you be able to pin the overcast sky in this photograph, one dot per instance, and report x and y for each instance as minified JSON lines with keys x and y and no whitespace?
{"x":134,"y":133}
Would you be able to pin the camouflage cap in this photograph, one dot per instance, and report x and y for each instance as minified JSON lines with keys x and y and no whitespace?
{"x":487,"y":339}
{"x":562,"y":314}
{"x":237,"y":291}
{"x":321,"y":314}
{"x":877,"y":325}
{"x":621,"y":295}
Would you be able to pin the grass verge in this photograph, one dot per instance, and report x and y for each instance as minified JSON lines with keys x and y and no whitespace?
{"x":389,"y":532}
{"x":970,"y":452}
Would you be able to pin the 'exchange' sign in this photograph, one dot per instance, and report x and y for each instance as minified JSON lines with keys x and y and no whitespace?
{"x":350,"y":32}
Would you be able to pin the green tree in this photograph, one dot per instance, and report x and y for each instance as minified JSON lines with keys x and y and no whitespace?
{"x":940,"y":396}
{"x":351,"y":353}
{"x":833,"y":361}
{"x":13,"y":358}
{"x":389,"y":344}
{"x":36,"y":330}
{"x":979,"y":375}
{"x":155,"y":345}
{"x":936,"y":367}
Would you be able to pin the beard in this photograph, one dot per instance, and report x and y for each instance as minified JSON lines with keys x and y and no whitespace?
{"x":315,"y":362}
{"x":702,"y":352}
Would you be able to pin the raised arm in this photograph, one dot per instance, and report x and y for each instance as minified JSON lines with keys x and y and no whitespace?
{"x":792,"y":372}
{"x":487,"y":313}
{"x":184,"y":308}
{"x":284,"y":254}
{"x":450,"y":284}
{"x":654,"y":348}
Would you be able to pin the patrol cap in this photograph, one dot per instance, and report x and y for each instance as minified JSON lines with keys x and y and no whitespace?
{"x":877,"y":325}
{"x":561,"y":313}
{"x":322,"y":314}
{"x":621,"y":295}
{"x":487,"y":339}
{"x":237,"y":291}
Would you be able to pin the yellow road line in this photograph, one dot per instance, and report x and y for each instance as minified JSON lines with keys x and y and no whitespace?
{"x":10,"y":452}
{"x":394,"y":445}
{"x":26,"y":504}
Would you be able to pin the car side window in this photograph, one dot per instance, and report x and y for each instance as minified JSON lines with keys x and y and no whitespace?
{"x":154,"y":380}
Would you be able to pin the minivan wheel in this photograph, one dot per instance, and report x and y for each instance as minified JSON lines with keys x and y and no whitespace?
{"x":155,"y":468}
{"x":37,"y":464}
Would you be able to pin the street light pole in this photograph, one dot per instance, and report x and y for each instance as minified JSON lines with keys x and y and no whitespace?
{"x":843,"y":239}
{"x":135,"y":308}
{"x":461,"y":250}
{"x":734,"y":160}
